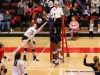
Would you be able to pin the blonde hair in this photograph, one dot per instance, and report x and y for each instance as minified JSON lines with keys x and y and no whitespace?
{"x":91,"y":21}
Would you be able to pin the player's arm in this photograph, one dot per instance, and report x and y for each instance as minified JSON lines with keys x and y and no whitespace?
{"x":87,"y":64}
{"x":23,"y":68}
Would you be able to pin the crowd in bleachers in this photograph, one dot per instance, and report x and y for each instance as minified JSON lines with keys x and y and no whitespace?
{"x":20,"y":12}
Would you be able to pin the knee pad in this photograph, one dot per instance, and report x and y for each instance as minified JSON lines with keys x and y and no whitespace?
{"x":54,"y":52}
{"x":33,"y":50}
{"x":25,"y":49}
{"x":5,"y":71}
{"x":26,"y":74}
{"x":59,"y":49}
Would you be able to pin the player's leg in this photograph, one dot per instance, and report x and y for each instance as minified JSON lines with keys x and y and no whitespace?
{"x":54,"y":48}
{"x":32,"y":46}
{"x":4,"y":70}
{"x":25,"y":50}
{"x":1,"y":68}
{"x":59,"y":49}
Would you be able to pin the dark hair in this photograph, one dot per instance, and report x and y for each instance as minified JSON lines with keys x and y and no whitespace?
{"x":17,"y":56}
{"x":96,"y":59}
{"x":1,"y":45}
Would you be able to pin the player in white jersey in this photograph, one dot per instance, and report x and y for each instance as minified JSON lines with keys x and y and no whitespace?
{"x":18,"y":65}
{"x":27,"y":35}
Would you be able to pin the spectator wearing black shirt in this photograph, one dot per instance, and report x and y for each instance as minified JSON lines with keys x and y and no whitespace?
{"x":20,"y":11}
{"x":76,"y":10}
{"x":30,"y":4}
{"x":24,"y":20}
{"x":42,"y":3}
{"x":47,"y":8}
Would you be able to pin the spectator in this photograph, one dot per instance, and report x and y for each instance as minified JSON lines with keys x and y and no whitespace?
{"x":24,"y":20}
{"x":61,"y":3}
{"x":50,"y":3}
{"x":7,"y":19}
{"x":99,"y":24}
{"x":74,"y":26}
{"x":67,"y":14}
{"x":21,"y":3}
{"x":94,"y":10}
{"x":36,"y":10}
{"x":92,"y":65}
{"x":30,"y":4}
{"x":28,"y":12}
{"x":47,"y":8}
{"x":85,"y":3}
{"x":97,"y":2}
{"x":42,"y":3}
{"x":8,"y":1}
{"x":66,"y":11}
{"x":1,"y":19}
{"x":91,"y":28}
{"x":76,"y":10}
{"x":20,"y":10}
{"x":87,"y":11}
{"x":68,"y":4}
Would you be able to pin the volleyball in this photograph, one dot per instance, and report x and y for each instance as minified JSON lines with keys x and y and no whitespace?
{"x":39,"y":20}
{"x":98,"y":30}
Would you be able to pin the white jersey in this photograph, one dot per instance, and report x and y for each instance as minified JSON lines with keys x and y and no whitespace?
{"x":56,"y":12}
{"x":19,"y":68}
{"x":30,"y":32}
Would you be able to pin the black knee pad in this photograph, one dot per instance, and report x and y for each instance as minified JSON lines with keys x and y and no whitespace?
{"x":5,"y":71}
{"x":33,"y":50}
{"x":25,"y":49}
{"x":26,"y":74}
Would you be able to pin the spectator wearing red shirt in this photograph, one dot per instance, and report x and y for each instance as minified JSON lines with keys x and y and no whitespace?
{"x":68,"y":4}
{"x":3,"y":69}
{"x":36,"y":10}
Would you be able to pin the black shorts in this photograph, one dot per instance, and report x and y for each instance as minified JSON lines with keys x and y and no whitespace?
{"x":53,"y":40}
{"x":25,"y":38}
{"x":59,"y":38}
{"x":0,"y":61}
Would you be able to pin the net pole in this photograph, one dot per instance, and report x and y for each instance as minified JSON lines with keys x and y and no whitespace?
{"x":67,"y":54}
{"x":63,"y":41}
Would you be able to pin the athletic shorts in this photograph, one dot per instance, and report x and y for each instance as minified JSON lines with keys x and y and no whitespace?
{"x":53,"y":40}
{"x":98,"y":22}
{"x":59,"y":38}
{"x":25,"y":38}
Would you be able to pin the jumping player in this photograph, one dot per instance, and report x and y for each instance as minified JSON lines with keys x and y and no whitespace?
{"x":18,"y":65}
{"x":53,"y":39}
{"x":3,"y":69}
{"x":56,"y":13}
{"x":27,"y":35}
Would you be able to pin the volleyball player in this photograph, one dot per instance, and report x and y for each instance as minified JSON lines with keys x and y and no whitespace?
{"x":31,"y":31}
{"x":18,"y":65}
{"x":53,"y":38}
{"x":57,"y":13}
{"x":3,"y":69}
{"x":92,"y":65}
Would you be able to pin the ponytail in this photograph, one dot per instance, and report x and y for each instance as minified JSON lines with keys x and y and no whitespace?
{"x":17,"y":57}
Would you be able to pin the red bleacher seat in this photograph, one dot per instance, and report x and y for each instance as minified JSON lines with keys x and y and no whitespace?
{"x":5,"y":6}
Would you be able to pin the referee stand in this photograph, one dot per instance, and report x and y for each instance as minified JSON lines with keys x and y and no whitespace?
{"x":64,"y":41}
